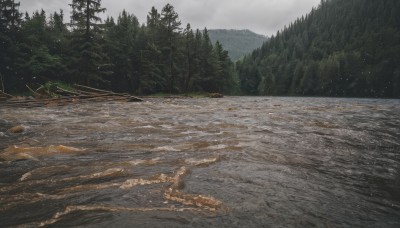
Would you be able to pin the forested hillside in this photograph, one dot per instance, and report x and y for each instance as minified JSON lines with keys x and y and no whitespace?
{"x":341,"y":48}
{"x":237,"y":42}
{"x":118,"y":54}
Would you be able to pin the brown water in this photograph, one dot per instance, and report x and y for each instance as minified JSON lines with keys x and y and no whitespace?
{"x":232,"y":162}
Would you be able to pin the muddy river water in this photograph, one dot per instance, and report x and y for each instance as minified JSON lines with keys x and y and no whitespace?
{"x":231,"y":162}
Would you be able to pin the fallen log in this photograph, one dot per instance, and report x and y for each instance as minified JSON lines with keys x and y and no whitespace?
{"x":90,"y":89}
{"x":32,"y":91}
{"x":99,"y":92}
{"x":43,"y":91}
{"x":61,"y":97}
{"x":66,"y":92}
{"x":3,"y":94}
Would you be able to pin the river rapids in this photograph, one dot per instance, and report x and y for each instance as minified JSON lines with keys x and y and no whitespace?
{"x":231,"y":162}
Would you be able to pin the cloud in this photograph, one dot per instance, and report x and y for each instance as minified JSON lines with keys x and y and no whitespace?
{"x":262,"y":16}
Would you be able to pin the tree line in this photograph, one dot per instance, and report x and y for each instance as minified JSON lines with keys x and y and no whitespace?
{"x":118,"y":54}
{"x":341,"y":48}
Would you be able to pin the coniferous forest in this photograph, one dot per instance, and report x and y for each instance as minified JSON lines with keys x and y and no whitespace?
{"x":117,"y":54}
{"x":341,"y":48}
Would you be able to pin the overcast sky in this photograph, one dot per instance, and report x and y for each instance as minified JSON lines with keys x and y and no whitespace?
{"x":261,"y":16}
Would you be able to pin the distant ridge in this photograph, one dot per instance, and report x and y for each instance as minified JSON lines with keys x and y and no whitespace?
{"x":237,"y":42}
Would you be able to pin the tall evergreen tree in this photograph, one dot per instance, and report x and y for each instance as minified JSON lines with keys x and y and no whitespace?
{"x":120,"y":47}
{"x":10,"y":17}
{"x":58,"y":32}
{"x":223,"y":80}
{"x":10,"y":20}
{"x":89,"y":63}
{"x":208,"y":64}
{"x":150,"y":44}
{"x":170,"y":27}
{"x":35,"y":61}
{"x":189,"y":57}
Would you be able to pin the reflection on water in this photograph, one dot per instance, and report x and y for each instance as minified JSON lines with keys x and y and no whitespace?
{"x":232,"y":162}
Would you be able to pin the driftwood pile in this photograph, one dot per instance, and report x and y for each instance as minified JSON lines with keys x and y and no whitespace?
{"x":57,"y":96}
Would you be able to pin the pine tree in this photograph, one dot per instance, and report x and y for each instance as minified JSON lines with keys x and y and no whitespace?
{"x":224,"y":70}
{"x":170,"y":28}
{"x":189,"y":57}
{"x":35,"y":62}
{"x":10,"y":20}
{"x":10,"y":17}
{"x":152,"y":75}
{"x":58,"y":33}
{"x":120,"y":47}
{"x":208,"y":64}
{"x":89,"y":63}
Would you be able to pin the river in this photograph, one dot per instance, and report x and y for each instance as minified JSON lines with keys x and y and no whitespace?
{"x":231,"y":162}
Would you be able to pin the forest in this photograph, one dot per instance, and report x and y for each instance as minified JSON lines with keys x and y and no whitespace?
{"x":340,"y":49}
{"x":116,"y":54}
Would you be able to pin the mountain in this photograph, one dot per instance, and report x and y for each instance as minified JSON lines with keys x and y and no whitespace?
{"x":237,"y":42}
{"x":341,"y":48}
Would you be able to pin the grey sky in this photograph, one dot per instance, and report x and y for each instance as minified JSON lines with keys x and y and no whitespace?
{"x":261,"y":16}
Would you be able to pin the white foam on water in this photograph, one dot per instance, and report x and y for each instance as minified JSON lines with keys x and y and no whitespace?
{"x":166,"y":149}
{"x":218,"y":147}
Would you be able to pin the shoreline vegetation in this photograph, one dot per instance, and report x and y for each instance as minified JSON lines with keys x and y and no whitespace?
{"x":316,"y":55}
